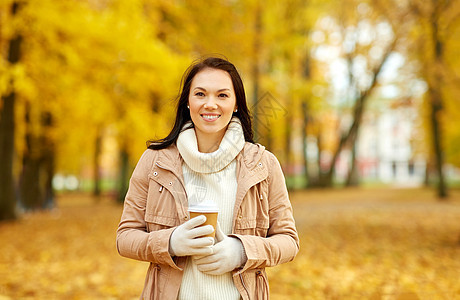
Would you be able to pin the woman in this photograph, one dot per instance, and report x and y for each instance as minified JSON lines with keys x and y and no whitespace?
{"x":209,"y":155}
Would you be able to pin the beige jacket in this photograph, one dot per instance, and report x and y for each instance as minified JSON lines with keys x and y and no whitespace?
{"x":156,"y":203}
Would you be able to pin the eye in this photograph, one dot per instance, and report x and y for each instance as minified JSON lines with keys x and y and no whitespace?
{"x":199,"y":94}
{"x":222,"y":95}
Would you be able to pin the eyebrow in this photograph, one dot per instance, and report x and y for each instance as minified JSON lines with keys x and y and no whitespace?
{"x":221,"y":90}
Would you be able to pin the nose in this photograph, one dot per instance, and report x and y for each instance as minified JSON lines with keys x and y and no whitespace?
{"x":211,"y":103}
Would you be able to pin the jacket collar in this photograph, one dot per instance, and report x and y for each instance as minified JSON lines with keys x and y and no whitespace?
{"x":251,"y":154}
{"x":170,"y":159}
{"x":250,"y":168}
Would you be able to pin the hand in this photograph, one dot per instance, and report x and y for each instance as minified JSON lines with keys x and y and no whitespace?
{"x":188,"y":238}
{"x":228,"y":254}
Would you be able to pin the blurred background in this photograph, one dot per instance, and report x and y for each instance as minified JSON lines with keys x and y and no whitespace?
{"x":358,"y":100}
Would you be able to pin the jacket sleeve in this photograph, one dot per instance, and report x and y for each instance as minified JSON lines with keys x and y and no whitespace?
{"x":133,"y":239}
{"x":282,"y":242}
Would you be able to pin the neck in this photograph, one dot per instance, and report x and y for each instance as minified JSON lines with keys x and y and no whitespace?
{"x":208,"y":143}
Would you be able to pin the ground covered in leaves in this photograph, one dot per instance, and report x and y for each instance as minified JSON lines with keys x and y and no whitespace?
{"x":355,"y":244}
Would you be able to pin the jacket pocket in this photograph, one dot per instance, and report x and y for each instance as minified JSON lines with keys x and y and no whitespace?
{"x":158,"y":222}
{"x":257,"y":227}
{"x":160,"y":209}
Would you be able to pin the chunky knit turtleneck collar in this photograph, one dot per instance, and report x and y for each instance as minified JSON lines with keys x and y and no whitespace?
{"x":232,"y":143}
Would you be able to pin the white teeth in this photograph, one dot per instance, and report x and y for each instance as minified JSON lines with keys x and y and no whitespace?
{"x":210,"y":117}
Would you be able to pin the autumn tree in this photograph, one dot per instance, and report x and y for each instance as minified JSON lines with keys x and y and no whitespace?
{"x":365,"y":41}
{"x":288,"y":75}
{"x":111,"y":84}
{"x":432,"y":42}
{"x":7,"y":113}
{"x":44,"y":95}
{"x":436,"y":32}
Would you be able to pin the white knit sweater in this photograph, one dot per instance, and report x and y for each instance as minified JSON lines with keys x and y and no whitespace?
{"x":211,"y":177}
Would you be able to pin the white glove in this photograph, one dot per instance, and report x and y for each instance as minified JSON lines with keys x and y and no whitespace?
{"x":188,"y":238}
{"x":228,"y":254}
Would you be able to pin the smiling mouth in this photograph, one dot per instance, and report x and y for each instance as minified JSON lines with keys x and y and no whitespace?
{"x":210,"y":117}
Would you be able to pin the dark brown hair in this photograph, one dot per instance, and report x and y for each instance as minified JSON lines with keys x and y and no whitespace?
{"x":183,"y":114}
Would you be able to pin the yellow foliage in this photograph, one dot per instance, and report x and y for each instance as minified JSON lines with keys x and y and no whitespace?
{"x":92,"y":67}
{"x":115,"y":66}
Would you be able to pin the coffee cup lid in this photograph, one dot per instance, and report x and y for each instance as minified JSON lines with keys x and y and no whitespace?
{"x":204,"y":207}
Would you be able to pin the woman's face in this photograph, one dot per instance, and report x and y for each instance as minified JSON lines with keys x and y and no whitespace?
{"x":212,"y":102}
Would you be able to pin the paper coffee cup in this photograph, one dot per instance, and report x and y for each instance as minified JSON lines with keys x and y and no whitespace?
{"x":209,"y":210}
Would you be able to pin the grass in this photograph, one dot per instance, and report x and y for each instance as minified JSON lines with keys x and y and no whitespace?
{"x":355,"y":244}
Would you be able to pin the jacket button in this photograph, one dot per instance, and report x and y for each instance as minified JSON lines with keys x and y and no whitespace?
{"x":155,"y":173}
{"x":170,"y":183}
{"x":186,"y":218}
{"x":260,"y":164}
{"x":240,"y":217}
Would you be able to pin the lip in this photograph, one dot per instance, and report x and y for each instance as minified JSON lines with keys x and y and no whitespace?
{"x":210,"y":117}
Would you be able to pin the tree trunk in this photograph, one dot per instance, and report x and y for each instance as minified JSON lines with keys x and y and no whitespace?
{"x":306,"y":75}
{"x":319,"y":145}
{"x":305,"y":143}
{"x":31,"y":194}
{"x":124,"y":176}
{"x":436,"y":109}
{"x":48,"y":168}
{"x":30,"y":180}
{"x":256,"y":69}
{"x":350,"y":136}
{"x":287,"y":144}
{"x":38,"y":165}
{"x":7,"y":130}
{"x":437,"y":106}
{"x":7,"y":191}
{"x":97,"y":167}
{"x":426,"y":181}
{"x":353,"y":177}
{"x":48,"y":160}
{"x":347,"y":138}
{"x":269,"y":139}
